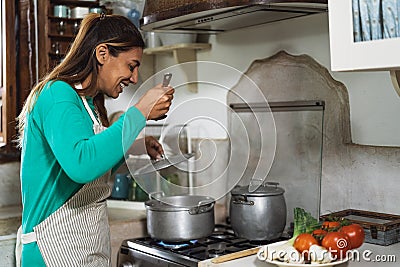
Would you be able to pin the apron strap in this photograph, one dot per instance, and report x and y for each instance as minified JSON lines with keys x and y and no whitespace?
{"x":18,"y":248}
{"x":89,"y":110}
{"x":28,"y":238}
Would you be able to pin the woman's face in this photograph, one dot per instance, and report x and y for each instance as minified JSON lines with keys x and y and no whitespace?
{"x":115,"y":73}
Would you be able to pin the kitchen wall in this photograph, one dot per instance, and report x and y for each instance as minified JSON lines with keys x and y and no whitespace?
{"x":10,"y":192}
{"x":374,"y":105}
{"x":351,"y":174}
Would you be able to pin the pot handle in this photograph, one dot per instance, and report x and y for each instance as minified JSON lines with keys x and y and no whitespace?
{"x":271,"y":184}
{"x":202,"y":207}
{"x":154,"y":195}
{"x":242,"y":200}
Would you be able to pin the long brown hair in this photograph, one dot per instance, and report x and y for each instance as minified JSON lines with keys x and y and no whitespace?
{"x":117,"y":32}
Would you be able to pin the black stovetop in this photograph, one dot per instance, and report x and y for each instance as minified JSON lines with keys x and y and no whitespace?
{"x":221,"y":242}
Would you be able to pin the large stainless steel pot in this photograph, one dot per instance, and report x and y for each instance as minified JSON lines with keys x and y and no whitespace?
{"x":258,"y":215}
{"x":180,"y":218}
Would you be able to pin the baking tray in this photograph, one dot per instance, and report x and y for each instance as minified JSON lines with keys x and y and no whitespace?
{"x":380,"y":228}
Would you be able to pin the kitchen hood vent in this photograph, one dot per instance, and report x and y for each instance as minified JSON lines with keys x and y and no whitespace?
{"x":216,"y":16}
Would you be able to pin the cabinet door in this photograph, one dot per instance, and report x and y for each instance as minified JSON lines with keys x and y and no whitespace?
{"x":358,"y":43}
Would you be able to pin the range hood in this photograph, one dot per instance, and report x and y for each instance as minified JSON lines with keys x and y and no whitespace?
{"x":216,"y":16}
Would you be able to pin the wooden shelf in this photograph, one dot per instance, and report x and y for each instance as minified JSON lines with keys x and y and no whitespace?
{"x":171,"y":48}
{"x":54,"y":55}
{"x":182,"y":52}
{"x":185,"y":52}
{"x":64,"y":19}
{"x":48,"y":30}
{"x":87,"y":3}
{"x":65,"y":37}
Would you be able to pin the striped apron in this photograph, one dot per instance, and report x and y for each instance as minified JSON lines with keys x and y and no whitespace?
{"x":78,"y":233}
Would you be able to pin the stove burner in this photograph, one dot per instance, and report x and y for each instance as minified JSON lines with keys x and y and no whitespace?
{"x":176,"y":245}
{"x":215,"y":250}
{"x":220,"y":228}
{"x":221,"y":236}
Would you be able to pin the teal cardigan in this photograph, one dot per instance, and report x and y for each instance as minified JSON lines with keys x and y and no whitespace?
{"x":60,"y":153}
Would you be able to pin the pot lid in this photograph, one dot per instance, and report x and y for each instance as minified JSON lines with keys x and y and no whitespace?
{"x":163,"y":163}
{"x":178,"y":203}
{"x":267,"y":189}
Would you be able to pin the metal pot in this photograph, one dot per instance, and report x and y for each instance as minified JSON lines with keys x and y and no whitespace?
{"x":180,"y":218}
{"x":259,"y":215}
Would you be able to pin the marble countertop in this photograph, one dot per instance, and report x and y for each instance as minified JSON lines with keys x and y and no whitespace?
{"x":368,"y":255}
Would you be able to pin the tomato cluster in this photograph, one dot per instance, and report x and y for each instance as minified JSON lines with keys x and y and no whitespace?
{"x":334,"y":237}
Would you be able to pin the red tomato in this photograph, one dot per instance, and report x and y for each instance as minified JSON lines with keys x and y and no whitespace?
{"x":319,"y":234}
{"x":331,"y":226}
{"x":303,"y":242}
{"x":355,"y":233}
{"x":337,"y":243}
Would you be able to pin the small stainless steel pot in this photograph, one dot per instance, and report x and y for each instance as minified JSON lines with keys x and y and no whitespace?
{"x":259,"y":215}
{"x":180,"y":218}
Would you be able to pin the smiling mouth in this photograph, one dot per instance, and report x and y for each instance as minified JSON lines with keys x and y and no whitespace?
{"x":122,"y":85}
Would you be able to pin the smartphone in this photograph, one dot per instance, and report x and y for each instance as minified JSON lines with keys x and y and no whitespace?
{"x":165,"y":83}
{"x":167,"y":79}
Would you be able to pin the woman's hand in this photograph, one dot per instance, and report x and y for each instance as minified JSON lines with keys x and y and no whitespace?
{"x":147,"y":145}
{"x":153,"y":147}
{"x":156,"y":102}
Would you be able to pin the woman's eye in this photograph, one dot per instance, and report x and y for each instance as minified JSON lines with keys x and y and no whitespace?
{"x":132,"y":67}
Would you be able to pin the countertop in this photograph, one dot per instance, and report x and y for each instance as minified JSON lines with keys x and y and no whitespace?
{"x":125,"y":211}
{"x":369,"y":255}
{"x":10,"y":220}
{"x":118,"y":212}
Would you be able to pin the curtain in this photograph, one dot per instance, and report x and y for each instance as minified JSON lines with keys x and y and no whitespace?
{"x":375,"y":19}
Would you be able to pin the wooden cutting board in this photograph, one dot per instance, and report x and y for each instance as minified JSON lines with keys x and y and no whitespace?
{"x":236,"y":255}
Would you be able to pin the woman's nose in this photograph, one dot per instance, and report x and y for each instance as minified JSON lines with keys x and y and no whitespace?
{"x":134,"y":77}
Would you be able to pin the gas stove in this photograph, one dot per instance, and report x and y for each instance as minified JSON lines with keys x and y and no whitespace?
{"x":146,"y":251}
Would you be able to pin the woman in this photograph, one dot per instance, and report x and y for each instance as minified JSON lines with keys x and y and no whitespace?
{"x":67,"y":153}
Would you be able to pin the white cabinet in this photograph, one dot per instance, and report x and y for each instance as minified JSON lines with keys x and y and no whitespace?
{"x":365,"y":36}
{"x":352,"y":52}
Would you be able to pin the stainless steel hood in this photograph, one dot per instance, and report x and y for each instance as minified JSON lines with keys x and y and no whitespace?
{"x":218,"y":16}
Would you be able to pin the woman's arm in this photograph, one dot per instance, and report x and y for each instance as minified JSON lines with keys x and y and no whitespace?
{"x":68,"y":129}
{"x":83,"y":155}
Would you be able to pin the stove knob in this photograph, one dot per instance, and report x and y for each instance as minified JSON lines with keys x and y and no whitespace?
{"x":127,"y":264}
